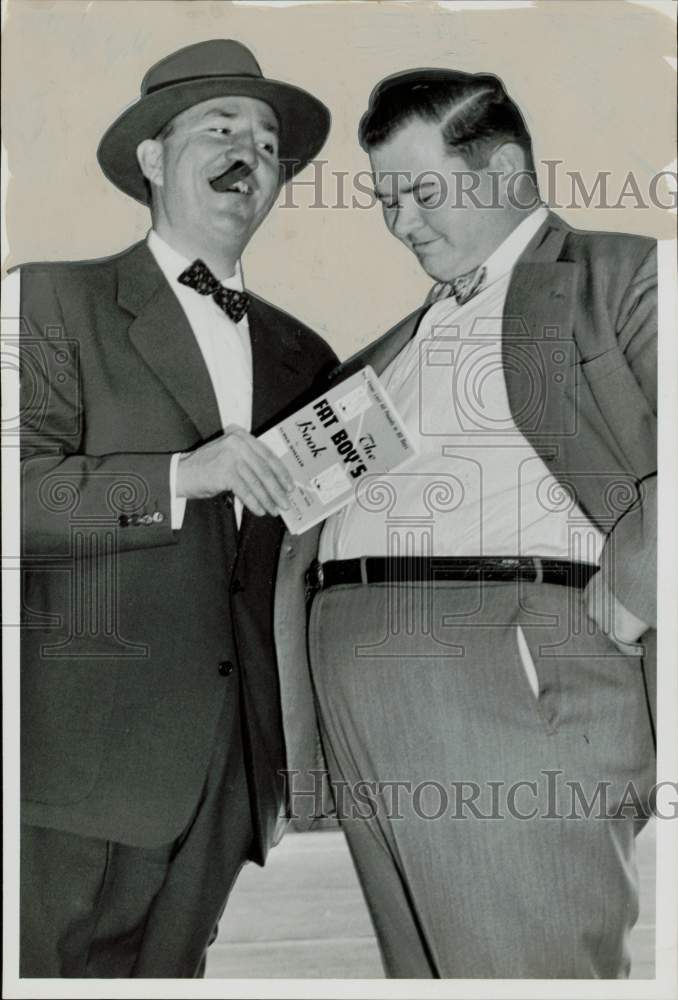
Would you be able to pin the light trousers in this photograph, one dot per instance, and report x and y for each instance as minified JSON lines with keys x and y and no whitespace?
{"x":492,"y":829}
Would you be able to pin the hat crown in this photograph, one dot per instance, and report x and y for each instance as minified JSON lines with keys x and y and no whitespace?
{"x":216,"y":57}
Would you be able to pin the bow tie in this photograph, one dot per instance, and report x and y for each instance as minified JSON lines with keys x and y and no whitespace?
{"x":463,"y":287}
{"x":199,"y":277}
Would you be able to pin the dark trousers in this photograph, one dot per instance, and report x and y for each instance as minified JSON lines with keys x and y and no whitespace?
{"x":95,"y":908}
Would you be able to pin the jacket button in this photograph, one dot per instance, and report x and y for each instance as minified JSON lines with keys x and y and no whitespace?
{"x":225,"y":668}
{"x":236,"y":586}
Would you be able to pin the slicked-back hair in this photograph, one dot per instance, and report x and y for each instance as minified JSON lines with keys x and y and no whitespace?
{"x":475,"y":113}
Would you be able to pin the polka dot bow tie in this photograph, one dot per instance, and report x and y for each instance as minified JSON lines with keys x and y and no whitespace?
{"x":463,"y":287}
{"x":199,"y":277}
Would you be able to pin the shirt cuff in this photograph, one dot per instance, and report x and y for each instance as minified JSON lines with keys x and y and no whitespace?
{"x":177,"y":504}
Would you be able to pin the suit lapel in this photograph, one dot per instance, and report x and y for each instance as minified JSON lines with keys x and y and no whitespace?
{"x":163,"y":337}
{"x":538,"y":347}
{"x":382,"y":352}
{"x":279,"y":374}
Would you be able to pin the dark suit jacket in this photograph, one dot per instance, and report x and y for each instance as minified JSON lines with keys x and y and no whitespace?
{"x":130,"y":627}
{"x":580,"y":363}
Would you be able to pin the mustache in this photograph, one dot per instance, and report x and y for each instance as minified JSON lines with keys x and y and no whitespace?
{"x":237,"y":171}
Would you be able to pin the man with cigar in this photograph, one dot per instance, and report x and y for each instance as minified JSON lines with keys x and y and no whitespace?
{"x":481,"y":634}
{"x":152,"y":736}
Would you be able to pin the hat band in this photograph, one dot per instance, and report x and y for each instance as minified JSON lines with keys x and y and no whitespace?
{"x":202,"y":76}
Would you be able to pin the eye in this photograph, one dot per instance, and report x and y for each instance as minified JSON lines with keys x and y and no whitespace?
{"x":426,"y":199}
{"x":220,"y":129}
{"x":268,"y":147}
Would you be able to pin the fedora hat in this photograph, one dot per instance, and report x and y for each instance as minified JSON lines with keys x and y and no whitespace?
{"x":216,"y":68}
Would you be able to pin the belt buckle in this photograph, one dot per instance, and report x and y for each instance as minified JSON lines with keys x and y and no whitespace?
{"x":314,"y":578}
{"x":528,"y":569}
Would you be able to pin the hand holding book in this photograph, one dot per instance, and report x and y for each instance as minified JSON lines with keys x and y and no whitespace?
{"x":335,"y":443}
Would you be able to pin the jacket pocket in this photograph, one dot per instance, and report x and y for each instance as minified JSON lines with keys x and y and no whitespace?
{"x":603,"y":364}
{"x":605,"y":392}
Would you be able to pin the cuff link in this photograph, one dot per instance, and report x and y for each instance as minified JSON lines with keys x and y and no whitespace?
{"x":132,"y":520}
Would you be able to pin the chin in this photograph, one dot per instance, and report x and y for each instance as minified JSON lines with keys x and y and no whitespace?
{"x":440,"y":270}
{"x":240,"y":214}
{"x":231,"y":224}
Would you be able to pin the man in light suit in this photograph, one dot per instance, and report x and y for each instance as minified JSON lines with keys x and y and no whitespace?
{"x":481,"y":635}
{"x":152,"y":736}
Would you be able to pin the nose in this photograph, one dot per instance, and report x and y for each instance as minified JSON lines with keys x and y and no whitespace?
{"x":405,"y":220}
{"x":245,"y":149}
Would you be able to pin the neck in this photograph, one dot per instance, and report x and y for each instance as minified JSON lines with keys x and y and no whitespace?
{"x":221,"y":260}
{"x":522,"y":202}
{"x":511,"y":219}
{"x":503,"y":224}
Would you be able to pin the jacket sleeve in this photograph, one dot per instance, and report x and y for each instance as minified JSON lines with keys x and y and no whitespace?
{"x":125,"y":496}
{"x":629,"y":558}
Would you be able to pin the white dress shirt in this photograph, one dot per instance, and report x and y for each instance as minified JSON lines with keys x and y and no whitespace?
{"x":495,"y":494}
{"x":224,"y":345}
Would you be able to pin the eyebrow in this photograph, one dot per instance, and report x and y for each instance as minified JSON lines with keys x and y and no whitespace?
{"x":266,"y":123}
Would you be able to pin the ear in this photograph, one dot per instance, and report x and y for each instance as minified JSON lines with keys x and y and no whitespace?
{"x":150,"y":158}
{"x":508,"y":159}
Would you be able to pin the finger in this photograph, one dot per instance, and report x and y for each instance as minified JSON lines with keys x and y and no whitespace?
{"x":253,"y":487}
{"x":249,"y":457}
{"x":267,"y":488}
{"x":279,"y":470}
{"x":259,"y":470}
{"x":253,"y":505}
{"x":277,"y":467}
{"x":248,"y":498}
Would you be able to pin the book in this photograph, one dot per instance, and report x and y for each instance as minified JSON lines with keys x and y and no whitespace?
{"x":334,"y":444}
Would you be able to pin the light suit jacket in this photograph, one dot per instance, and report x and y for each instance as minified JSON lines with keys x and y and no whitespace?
{"x":581,"y":308}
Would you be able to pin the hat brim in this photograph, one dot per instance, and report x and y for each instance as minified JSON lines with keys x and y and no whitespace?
{"x":304,"y":124}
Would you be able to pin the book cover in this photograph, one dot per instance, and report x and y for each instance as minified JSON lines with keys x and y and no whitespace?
{"x":331,"y":444}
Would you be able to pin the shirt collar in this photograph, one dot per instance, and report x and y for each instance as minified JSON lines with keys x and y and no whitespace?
{"x":172,"y":263}
{"x":502,"y":260}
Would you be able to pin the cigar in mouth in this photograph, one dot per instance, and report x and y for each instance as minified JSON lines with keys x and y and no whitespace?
{"x":236,"y":172}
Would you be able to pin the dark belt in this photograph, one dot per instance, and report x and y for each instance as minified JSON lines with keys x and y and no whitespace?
{"x":373,"y":569}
